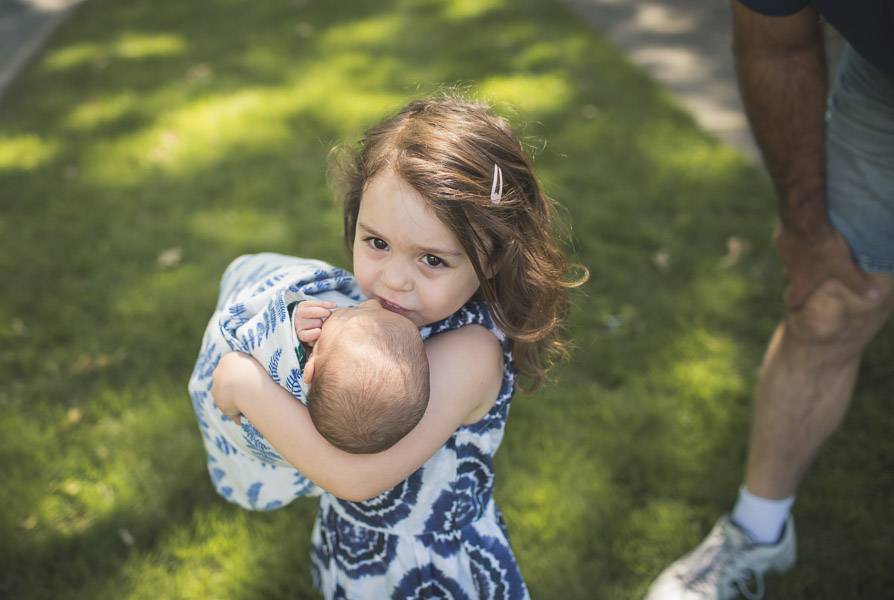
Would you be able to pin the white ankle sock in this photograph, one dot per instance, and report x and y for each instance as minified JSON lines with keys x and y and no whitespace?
{"x":762,"y":519}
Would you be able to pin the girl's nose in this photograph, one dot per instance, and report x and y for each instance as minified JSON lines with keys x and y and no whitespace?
{"x":395,"y":275}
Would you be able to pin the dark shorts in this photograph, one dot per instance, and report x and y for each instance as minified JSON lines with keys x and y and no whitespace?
{"x":860,"y":161}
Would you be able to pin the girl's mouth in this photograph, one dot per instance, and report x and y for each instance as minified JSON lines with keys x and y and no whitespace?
{"x":392,"y":307}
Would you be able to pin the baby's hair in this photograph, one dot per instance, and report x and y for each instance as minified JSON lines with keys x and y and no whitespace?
{"x":446,"y":149}
{"x":369,"y":393}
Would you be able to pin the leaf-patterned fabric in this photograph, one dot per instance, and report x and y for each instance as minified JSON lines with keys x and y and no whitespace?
{"x":252,"y":316}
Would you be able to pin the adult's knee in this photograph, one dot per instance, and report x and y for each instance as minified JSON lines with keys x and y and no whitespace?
{"x":834,"y":314}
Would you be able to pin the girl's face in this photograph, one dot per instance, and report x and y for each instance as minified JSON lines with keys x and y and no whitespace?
{"x":405,"y":257}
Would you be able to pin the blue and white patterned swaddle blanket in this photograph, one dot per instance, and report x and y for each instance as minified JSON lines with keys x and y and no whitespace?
{"x":252,"y":317}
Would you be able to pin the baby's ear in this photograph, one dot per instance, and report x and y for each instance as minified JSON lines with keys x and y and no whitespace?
{"x":309,"y":368}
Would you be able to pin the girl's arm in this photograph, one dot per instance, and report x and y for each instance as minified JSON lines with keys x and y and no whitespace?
{"x":466,"y":374}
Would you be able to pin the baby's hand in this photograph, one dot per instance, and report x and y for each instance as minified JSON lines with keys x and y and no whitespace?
{"x":309,"y":316}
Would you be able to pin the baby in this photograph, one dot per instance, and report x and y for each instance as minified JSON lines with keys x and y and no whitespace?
{"x":361,"y":370}
{"x":367,"y":375}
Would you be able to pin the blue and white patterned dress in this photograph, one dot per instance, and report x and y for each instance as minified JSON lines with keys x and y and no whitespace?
{"x":438,"y":534}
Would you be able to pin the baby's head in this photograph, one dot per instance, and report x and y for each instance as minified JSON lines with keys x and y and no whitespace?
{"x":368,"y":379}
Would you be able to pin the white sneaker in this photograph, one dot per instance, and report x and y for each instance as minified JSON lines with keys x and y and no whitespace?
{"x":727,"y":563}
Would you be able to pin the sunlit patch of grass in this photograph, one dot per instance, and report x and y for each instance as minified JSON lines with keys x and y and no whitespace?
{"x":126,"y":46}
{"x":530,"y":92}
{"x":26,"y":152}
{"x":675,"y":147}
{"x":196,"y":135}
{"x":362,"y":33}
{"x":72,"y":55}
{"x":216,"y":554}
{"x":100,"y":111}
{"x":200,"y":134}
{"x":539,"y":53}
{"x":469,"y":9}
{"x":706,"y":367}
{"x":131,"y":45}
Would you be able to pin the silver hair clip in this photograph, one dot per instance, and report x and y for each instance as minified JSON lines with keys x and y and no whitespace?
{"x":494,"y":194}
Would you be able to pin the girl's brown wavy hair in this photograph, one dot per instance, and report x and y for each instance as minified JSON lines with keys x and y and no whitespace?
{"x":446,"y":148}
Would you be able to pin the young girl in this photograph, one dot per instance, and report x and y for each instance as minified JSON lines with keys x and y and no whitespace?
{"x":449,"y":227}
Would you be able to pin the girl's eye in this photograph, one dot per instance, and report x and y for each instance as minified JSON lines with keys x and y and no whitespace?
{"x":378,"y":243}
{"x":432,"y":261}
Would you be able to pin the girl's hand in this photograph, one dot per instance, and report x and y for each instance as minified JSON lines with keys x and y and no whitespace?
{"x":225,"y":384}
{"x":309,"y":316}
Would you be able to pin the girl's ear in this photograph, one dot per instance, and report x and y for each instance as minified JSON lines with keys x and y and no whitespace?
{"x":310,"y":368}
{"x":490,"y":266}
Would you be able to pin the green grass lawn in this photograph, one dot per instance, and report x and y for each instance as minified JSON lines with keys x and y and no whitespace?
{"x":153,"y":142}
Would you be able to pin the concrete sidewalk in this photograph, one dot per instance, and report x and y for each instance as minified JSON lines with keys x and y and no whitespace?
{"x":686,"y":45}
{"x":25,"y":26}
